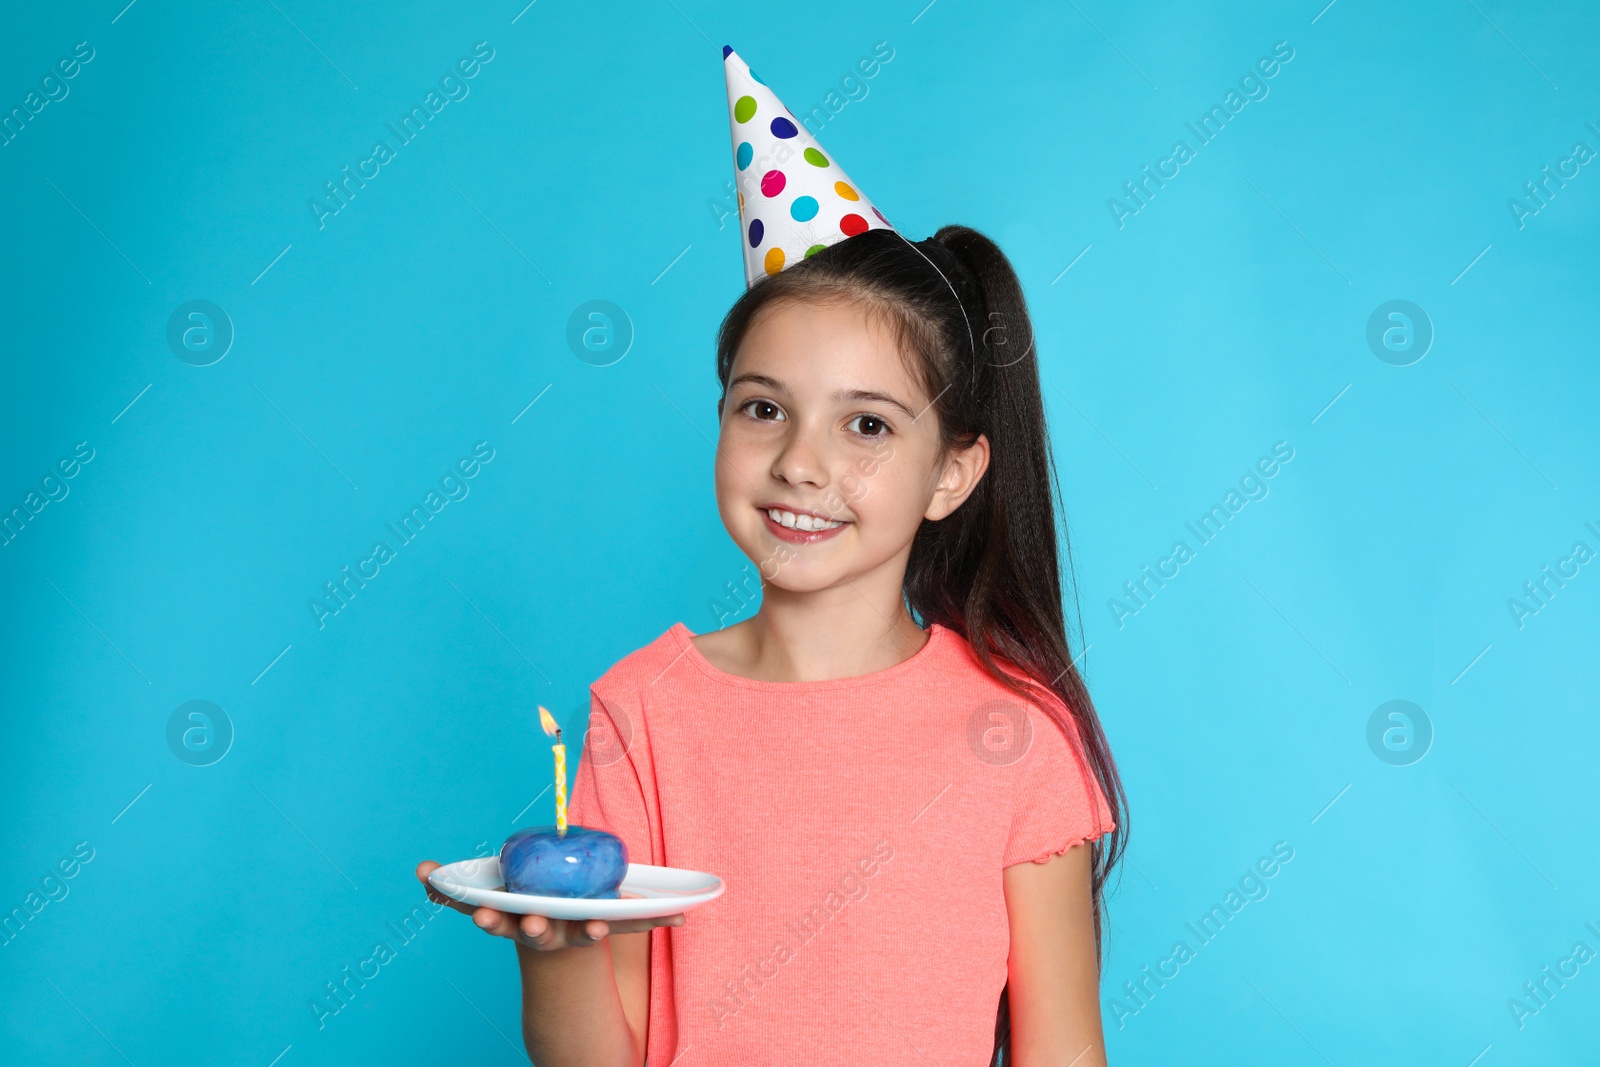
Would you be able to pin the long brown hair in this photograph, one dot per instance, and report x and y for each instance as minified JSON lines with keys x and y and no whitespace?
{"x":991,"y":570}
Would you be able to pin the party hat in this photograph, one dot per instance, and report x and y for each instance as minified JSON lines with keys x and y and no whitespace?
{"x":794,"y":200}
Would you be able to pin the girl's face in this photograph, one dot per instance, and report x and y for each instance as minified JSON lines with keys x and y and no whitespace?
{"x":829,"y":458}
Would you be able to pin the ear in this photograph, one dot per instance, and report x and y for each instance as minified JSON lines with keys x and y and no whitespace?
{"x":963,"y":469}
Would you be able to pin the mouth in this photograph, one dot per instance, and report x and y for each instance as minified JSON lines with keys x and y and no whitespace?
{"x":798,"y":526}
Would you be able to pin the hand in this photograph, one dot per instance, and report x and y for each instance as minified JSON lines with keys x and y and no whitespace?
{"x":537,"y":931}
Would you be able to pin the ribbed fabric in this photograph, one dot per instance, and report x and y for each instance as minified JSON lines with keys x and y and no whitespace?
{"x":861,"y":826}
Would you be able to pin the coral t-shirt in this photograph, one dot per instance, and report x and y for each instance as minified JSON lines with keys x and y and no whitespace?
{"x":861,"y":826}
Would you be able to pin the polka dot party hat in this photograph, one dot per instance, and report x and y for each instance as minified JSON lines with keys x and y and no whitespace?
{"x":794,"y":200}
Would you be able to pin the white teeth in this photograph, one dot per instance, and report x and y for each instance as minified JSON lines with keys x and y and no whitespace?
{"x":806,"y":523}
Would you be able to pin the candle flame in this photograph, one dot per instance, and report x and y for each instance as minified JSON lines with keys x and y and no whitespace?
{"x":548,"y":721}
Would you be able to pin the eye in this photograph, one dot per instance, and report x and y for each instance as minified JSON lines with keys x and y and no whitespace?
{"x":762,"y":410}
{"x":868,"y":426}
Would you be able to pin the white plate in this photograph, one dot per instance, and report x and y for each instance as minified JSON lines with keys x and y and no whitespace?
{"x":647,"y":892}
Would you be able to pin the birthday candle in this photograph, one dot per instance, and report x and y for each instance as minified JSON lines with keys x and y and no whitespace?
{"x":561,"y":788}
{"x":548,"y":722}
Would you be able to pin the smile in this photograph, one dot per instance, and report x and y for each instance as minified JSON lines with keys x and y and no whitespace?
{"x":800,"y":527}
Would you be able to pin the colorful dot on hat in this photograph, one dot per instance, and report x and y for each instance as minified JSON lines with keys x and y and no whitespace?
{"x":804,"y":208}
{"x":745,"y":153}
{"x":744,"y":109}
{"x":741,"y":203}
{"x":756,"y":231}
{"x":772,"y":183}
{"x":852,"y":224}
{"x":755,"y":77}
{"x":814,"y":249}
{"x":885,"y":221}
{"x":845,"y":191}
{"x":774,"y":261}
{"x":782,"y":128}
{"x":815,"y":158}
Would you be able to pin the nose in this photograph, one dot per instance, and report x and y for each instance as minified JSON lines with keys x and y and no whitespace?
{"x":803,"y":460}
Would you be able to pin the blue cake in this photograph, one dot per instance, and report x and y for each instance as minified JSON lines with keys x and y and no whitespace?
{"x":583,"y":863}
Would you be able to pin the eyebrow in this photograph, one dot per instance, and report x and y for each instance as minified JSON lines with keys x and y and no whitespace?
{"x":857,"y":395}
{"x":759,"y":379}
{"x":866,"y":396}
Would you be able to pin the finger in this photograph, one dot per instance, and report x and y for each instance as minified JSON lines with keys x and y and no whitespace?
{"x":494,"y":922}
{"x":427,"y":867}
{"x":584,"y":933}
{"x":552,"y":935}
{"x":536,"y":929}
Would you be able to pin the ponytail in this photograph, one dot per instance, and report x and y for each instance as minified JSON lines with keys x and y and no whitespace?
{"x":990,"y":570}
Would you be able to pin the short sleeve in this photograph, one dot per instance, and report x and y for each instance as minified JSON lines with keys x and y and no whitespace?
{"x":1057,"y":802}
{"x":607,"y":793}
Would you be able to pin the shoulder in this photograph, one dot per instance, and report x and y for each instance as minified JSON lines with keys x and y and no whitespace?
{"x":642,"y":666}
{"x":1037,"y":720}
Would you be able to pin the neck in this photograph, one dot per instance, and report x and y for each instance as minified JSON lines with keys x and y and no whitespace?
{"x":856,"y":628}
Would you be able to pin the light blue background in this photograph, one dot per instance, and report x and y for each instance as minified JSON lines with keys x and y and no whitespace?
{"x":590,"y":155}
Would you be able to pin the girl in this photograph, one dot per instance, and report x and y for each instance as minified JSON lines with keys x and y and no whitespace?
{"x":893,"y":764}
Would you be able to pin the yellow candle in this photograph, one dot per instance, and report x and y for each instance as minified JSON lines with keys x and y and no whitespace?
{"x":548,"y":722}
{"x":561,"y":788}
